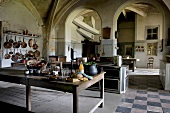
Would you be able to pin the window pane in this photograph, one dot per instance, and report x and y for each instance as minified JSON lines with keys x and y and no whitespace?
{"x":149,"y":30}
{"x":154,"y":36}
{"x":155,"y":30}
{"x":149,"y":37}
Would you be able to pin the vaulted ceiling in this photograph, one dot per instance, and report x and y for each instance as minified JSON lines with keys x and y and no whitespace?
{"x":47,"y":11}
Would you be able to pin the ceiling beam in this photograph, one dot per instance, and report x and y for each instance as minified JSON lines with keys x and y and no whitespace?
{"x":124,"y":13}
{"x":137,"y":10}
{"x":167,"y":2}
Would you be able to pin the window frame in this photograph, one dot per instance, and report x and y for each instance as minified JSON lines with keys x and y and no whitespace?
{"x":152,"y":33}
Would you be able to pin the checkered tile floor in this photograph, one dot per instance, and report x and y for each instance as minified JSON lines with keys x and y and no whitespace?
{"x":145,"y":95}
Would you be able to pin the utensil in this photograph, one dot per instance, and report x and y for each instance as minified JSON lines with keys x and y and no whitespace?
{"x":103,"y":51}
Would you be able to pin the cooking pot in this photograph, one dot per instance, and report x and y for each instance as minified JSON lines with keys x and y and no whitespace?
{"x":36,"y":53}
{"x":15,"y":44}
{"x":14,"y":57}
{"x":35,"y":46}
{"x":7,"y":44}
{"x":7,"y":56}
{"x":31,"y":53}
{"x":23,"y":44}
{"x":11,"y":40}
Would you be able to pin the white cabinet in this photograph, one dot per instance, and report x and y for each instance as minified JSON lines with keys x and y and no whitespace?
{"x":165,"y":74}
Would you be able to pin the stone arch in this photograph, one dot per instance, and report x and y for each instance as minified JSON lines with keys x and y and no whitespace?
{"x":68,"y":39}
{"x":162,"y":10}
{"x":119,"y":10}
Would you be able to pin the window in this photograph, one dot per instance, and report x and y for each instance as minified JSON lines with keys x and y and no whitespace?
{"x":151,"y":33}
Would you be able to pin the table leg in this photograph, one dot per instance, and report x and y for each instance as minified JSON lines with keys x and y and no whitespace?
{"x":28,"y":97}
{"x":134,"y":65}
{"x":102,"y":92}
{"x":75,"y":101}
{"x":133,"y":68}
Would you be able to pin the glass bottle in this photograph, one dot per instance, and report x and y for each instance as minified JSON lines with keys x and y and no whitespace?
{"x":81,"y":68}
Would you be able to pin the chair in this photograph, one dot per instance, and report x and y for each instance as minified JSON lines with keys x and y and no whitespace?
{"x":150,"y":62}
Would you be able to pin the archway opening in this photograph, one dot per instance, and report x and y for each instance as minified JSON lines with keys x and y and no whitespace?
{"x":140,"y":28}
{"x":82,"y":33}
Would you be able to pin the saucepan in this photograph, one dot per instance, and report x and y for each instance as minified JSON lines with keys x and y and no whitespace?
{"x":7,"y":44}
{"x":23,"y":44}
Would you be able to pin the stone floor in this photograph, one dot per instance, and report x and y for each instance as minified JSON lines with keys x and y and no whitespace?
{"x":144,"y":95}
{"x":144,"y":71}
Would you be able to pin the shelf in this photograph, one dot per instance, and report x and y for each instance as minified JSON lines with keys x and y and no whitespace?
{"x":17,"y":34}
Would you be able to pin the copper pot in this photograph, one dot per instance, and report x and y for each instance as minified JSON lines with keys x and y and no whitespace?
{"x":23,"y":44}
{"x":35,"y":46}
{"x":7,"y":56}
{"x":36,"y":53}
{"x":16,"y":44}
{"x":7,"y":44}
{"x":30,"y":53}
{"x":14,"y":57}
{"x":30,"y":42}
{"x":11,"y":40}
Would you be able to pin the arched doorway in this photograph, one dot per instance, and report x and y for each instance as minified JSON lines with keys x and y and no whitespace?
{"x":133,"y":22}
{"x":82,"y":33}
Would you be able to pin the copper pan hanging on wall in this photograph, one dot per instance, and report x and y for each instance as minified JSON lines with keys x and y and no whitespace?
{"x":7,"y":44}
{"x":36,"y":53}
{"x":30,"y":42}
{"x":23,"y":44}
{"x":35,"y":46}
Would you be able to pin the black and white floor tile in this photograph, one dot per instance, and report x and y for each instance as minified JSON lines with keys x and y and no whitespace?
{"x":145,"y":95}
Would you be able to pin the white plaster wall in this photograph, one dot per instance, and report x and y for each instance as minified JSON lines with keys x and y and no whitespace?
{"x":17,"y":17}
{"x":144,"y":57}
{"x":150,"y":20}
{"x":141,"y":23}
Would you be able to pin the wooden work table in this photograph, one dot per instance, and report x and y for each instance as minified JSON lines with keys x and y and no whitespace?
{"x":132,"y":60}
{"x":17,"y":76}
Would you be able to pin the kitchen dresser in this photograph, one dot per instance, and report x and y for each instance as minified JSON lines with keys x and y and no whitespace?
{"x":165,"y":74}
